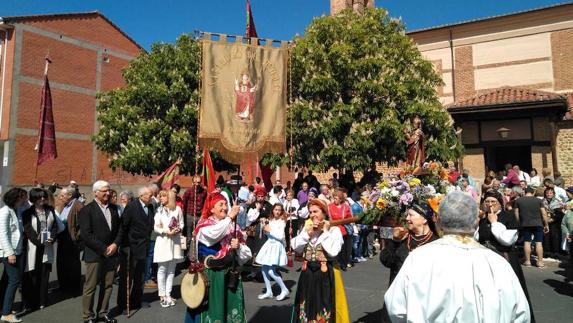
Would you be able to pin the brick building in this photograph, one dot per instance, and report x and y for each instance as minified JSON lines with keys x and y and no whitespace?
{"x":88,"y":53}
{"x":508,"y":83}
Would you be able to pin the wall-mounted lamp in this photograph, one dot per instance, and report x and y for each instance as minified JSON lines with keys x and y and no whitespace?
{"x":503,"y":132}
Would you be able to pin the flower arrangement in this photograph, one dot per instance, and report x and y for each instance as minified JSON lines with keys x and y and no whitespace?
{"x":390,"y":198}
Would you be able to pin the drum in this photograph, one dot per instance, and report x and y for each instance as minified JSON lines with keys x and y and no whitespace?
{"x":194,"y":288}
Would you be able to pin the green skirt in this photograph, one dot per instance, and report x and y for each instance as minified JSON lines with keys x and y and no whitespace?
{"x":224,"y":305}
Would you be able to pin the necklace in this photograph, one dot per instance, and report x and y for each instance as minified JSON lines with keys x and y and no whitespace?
{"x":419,"y":242}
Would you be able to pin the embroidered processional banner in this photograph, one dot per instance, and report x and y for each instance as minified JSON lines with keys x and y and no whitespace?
{"x":243,"y":97}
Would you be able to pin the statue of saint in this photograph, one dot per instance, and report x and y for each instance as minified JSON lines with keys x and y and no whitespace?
{"x":245,"y":97}
{"x":416,"y":152}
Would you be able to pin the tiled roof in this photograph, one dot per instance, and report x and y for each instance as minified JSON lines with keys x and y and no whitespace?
{"x":12,"y":19}
{"x":506,"y":95}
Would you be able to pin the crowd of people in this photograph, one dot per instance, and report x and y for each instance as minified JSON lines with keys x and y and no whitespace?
{"x":138,"y":241}
{"x":540,"y":203}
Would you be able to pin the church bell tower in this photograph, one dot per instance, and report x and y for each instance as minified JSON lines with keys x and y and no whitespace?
{"x":337,"y":6}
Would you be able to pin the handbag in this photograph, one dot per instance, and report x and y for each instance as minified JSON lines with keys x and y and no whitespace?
{"x":183,"y":240}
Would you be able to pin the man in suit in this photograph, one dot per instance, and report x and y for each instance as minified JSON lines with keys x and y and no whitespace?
{"x":137,"y":225}
{"x":68,"y":263}
{"x":100,"y":231}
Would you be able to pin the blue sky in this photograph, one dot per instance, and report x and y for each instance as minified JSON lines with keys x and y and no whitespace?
{"x":149,"y":21}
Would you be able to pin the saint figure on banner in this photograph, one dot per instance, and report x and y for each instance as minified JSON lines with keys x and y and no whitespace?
{"x":416,"y":152}
{"x":245,"y":97}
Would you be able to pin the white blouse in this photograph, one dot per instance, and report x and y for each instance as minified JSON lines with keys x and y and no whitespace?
{"x":212,"y":234}
{"x":331,"y":241}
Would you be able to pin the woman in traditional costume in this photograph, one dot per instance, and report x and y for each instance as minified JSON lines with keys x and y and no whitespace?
{"x":497,"y":230}
{"x":421,"y":230}
{"x":221,"y":245}
{"x":320,"y":293}
{"x":273,"y":253}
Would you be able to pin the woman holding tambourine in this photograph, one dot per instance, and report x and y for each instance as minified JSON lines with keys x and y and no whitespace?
{"x":221,"y":247}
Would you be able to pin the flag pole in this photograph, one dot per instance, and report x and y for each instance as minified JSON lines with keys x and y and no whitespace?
{"x":46,"y":67}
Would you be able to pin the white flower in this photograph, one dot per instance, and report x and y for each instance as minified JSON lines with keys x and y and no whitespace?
{"x":395,"y":192}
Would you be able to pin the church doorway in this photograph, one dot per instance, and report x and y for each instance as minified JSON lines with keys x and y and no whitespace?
{"x":498,"y":156}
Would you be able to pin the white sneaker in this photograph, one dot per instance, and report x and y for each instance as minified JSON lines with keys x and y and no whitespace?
{"x":164,"y":303}
{"x":12,"y":318}
{"x":265,"y":296}
{"x":282,"y":295}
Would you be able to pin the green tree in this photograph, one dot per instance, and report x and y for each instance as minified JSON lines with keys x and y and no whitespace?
{"x":357,"y":79}
{"x":152,"y":121}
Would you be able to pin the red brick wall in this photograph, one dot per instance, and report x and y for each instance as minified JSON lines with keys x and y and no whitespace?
{"x":562,"y":56}
{"x":119,"y":177}
{"x":73,"y":112}
{"x":67,"y":166}
{"x":71,"y":64}
{"x":111,"y":73}
{"x":464,"y":73}
{"x":93,"y":29}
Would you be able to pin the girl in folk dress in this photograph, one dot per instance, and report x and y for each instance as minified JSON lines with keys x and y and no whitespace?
{"x":167,"y":252}
{"x":273,"y":253}
{"x":320,"y":295}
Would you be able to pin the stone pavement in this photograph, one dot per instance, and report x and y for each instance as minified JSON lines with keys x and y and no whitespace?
{"x":366,"y":283}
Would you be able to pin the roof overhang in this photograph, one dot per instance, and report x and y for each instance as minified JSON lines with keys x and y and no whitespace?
{"x":554,"y":108}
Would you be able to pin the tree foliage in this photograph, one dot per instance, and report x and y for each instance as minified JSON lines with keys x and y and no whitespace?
{"x":357,"y":79}
{"x":152,"y":121}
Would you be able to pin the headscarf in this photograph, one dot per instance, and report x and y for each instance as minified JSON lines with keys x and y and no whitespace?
{"x":206,"y":220}
{"x":313,"y":191}
{"x":321,"y":205}
{"x":425,"y":210}
{"x":260,"y":191}
{"x":496,"y":195}
{"x":210,"y":202}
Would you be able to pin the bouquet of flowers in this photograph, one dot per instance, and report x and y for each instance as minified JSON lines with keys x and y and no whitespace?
{"x":393,"y":195}
{"x":173,"y":223}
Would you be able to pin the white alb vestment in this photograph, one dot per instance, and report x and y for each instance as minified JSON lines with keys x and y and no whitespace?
{"x":455,"y":279}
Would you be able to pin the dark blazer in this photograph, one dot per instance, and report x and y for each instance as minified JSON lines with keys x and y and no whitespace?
{"x":95,"y":232}
{"x":137,"y":227}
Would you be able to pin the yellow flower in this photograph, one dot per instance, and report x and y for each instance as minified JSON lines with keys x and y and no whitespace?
{"x":414,"y":182}
{"x":380,"y":203}
{"x":383,"y":184}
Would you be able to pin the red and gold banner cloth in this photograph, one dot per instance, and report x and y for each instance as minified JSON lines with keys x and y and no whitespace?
{"x":243,"y":97}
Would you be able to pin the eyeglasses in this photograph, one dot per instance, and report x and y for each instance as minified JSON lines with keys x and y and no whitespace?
{"x":490,"y":202}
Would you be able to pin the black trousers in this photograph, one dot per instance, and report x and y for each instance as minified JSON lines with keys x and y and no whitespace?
{"x":35,"y":286}
{"x":345,"y":255}
{"x":136,"y":272}
{"x":552,"y":240}
{"x":68,"y":264}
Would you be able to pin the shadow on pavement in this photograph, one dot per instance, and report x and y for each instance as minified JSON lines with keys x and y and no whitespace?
{"x":560,"y":287}
{"x":371,"y":317}
{"x":279,"y":313}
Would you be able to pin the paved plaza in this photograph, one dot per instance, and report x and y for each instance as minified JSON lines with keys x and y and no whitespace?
{"x":551,"y":293}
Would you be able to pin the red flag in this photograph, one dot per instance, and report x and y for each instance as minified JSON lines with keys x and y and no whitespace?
{"x":46,"y":145}
{"x":169,"y":177}
{"x":208,"y":171}
{"x":251,"y":30}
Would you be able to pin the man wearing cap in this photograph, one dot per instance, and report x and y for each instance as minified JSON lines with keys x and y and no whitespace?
{"x":455,"y":279}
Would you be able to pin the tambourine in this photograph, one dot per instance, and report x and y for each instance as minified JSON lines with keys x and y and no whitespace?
{"x":194,"y":289}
